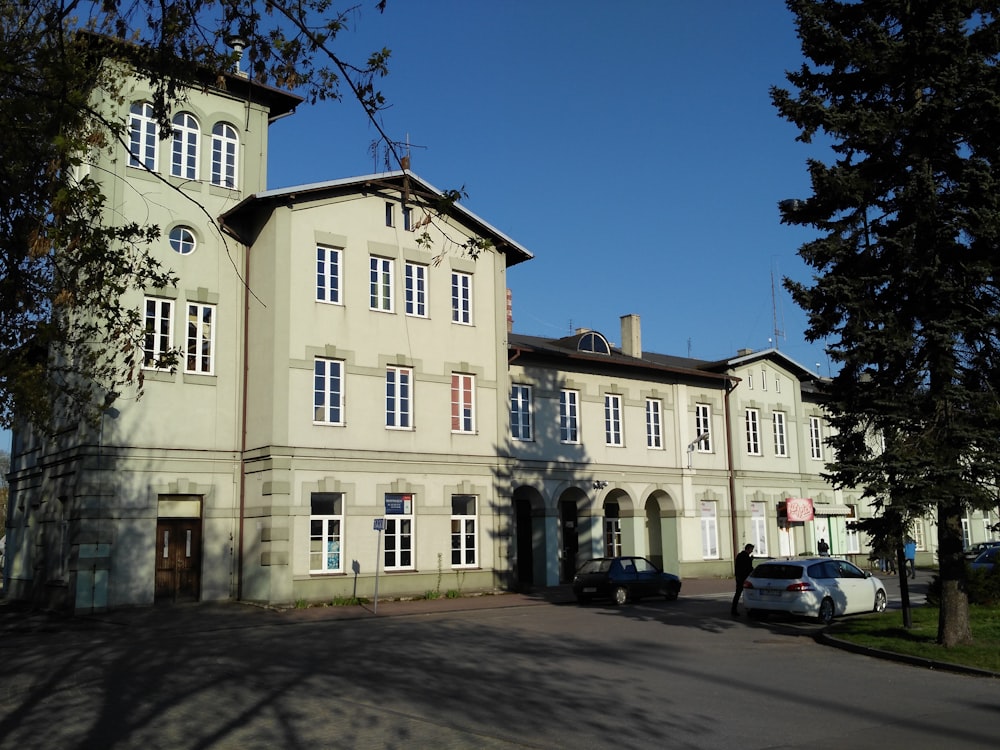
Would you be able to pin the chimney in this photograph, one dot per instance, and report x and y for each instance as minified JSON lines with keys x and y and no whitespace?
{"x":631,"y":336}
{"x":238,"y":44}
{"x":510,"y":312}
{"x":744,"y":352}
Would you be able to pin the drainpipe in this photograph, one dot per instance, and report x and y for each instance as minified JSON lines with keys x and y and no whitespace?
{"x":243,"y":423}
{"x":730,"y":387}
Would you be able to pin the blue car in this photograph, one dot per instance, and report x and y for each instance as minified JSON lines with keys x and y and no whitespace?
{"x":986,"y":560}
{"x":623,"y":579}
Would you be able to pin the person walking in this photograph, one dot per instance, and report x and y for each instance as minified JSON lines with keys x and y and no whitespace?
{"x":824,"y":548}
{"x":743,"y":568}
{"x":910,"y":553}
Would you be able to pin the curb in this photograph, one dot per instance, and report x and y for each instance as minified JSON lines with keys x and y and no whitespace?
{"x":916,"y":661}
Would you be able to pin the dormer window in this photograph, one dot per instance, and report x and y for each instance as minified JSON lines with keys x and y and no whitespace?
{"x":593,"y":342}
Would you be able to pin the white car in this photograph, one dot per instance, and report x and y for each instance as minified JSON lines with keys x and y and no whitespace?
{"x":821,"y":587}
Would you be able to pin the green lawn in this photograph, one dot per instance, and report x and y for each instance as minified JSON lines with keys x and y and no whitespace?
{"x":886,"y":632}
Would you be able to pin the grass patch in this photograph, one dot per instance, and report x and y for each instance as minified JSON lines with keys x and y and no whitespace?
{"x":886,"y":632}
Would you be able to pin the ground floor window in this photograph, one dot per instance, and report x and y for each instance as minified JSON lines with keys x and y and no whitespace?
{"x":709,"y":531}
{"x":326,"y":521}
{"x":758,"y":529}
{"x":853,"y":541}
{"x":463,"y":531}
{"x":398,"y":532}
{"x":612,"y":531}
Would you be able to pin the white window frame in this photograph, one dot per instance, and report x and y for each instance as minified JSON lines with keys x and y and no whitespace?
{"x":703,"y":426}
{"x":159,"y":335}
{"x":184,"y":144}
{"x":752,"y":419}
{"x":763,"y":379}
{"x":569,"y":416}
{"x":328,"y":391}
{"x":521,"y":413}
{"x":182,"y":240}
{"x":200,"y":339}
{"x":225,"y":156}
{"x":329,"y":261}
{"x":380,"y":284}
{"x":613,"y":436}
{"x":463,"y":403}
{"x":398,"y":398}
{"x":654,"y":423}
{"x":758,"y":528}
{"x":329,"y":534}
{"x":815,"y":438}
{"x":780,"y":434}
{"x":461,"y":298}
{"x":144,"y":137}
{"x":917,"y":532}
{"x":852,"y":536}
{"x":464,"y":531}
{"x":709,"y":530}
{"x":416,"y":290}
{"x":399,"y":538}
{"x":612,"y":537}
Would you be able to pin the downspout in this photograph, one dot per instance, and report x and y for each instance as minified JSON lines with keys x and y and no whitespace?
{"x":730,"y":387}
{"x":243,"y":422}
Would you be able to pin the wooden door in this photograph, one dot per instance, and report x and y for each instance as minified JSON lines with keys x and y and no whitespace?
{"x":178,"y":559}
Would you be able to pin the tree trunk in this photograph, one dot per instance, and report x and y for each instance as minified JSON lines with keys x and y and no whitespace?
{"x":953,"y":621}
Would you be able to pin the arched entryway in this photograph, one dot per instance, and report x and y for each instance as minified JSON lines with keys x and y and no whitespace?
{"x":529,"y":538}
{"x":662,"y":533}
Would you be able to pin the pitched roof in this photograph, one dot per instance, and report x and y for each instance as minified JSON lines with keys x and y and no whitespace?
{"x":244,"y":220}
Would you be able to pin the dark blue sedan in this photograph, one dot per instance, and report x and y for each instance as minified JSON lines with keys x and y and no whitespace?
{"x":622,"y":579}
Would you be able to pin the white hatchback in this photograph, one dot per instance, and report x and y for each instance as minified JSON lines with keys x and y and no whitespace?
{"x":821,"y":587}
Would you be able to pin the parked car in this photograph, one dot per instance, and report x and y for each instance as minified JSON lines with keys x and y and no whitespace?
{"x":986,"y":559}
{"x":622,"y":579}
{"x":977,"y":549}
{"x":821,"y":587}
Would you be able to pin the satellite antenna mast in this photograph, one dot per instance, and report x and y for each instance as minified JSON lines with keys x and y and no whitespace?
{"x":774,"y":312}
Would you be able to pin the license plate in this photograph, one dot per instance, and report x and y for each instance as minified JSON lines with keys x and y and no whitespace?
{"x":590,"y":589}
{"x":770,"y":592}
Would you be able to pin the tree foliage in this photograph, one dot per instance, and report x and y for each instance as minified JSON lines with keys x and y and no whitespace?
{"x":66,"y":339}
{"x":906,"y":260}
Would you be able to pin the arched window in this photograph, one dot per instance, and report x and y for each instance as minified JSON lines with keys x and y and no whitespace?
{"x":225,"y":144}
{"x":143,"y":136}
{"x":184,"y":146}
{"x":593,"y":342}
{"x":182,"y":240}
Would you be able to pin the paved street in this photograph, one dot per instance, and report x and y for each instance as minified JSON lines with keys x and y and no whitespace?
{"x":511,"y":672}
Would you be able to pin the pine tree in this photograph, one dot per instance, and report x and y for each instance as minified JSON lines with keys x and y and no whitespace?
{"x":906,"y":257}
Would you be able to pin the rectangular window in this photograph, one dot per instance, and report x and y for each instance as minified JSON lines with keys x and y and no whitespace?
{"x":853,"y":542}
{"x":416,"y":290}
{"x":407,"y":218}
{"x":380,"y":284}
{"x":144,"y":138}
{"x":612,"y":537}
{"x":461,"y":298}
{"x":201,"y":339}
{"x":703,"y":427}
{"x":159,"y":332}
{"x":326,"y":520}
{"x":917,"y":532}
{"x":750,"y":381}
{"x":654,"y":423}
{"x":328,"y":391}
{"x":780,"y":443}
{"x":758,"y":528}
{"x":763,"y":379}
{"x":398,"y":397}
{"x":815,"y":438}
{"x":709,"y":531}
{"x":399,"y":534}
{"x":463,"y":403}
{"x":753,"y":432}
{"x":569,"y":416}
{"x":390,"y":214}
{"x":520,"y":412}
{"x":613,"y":420}
{"x":463,"y":531}
{"x":327,"y":274}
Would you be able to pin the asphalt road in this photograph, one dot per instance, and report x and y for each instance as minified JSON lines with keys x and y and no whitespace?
{"x":655,"y":674}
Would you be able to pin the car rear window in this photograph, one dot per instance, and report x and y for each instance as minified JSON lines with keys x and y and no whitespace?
{"x":777,"y":570}
{"x":595,"y":566}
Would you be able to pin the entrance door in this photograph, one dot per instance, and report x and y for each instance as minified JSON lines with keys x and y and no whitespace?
{"x":570,"y":539}
{"x":178,"y":559}
{"x":525,"y":542}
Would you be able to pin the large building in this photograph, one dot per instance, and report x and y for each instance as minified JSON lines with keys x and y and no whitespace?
{"x":351,"y":408}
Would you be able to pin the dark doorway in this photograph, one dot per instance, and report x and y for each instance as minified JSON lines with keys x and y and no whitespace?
{"x":525,"y":546}
{"x":570,"y":538}
{"x":178,"y":559}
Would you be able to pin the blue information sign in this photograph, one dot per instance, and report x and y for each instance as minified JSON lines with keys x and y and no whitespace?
{"x":379,"y":524}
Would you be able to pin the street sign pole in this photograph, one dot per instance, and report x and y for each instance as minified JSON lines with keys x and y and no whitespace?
{"x":379,"y":527}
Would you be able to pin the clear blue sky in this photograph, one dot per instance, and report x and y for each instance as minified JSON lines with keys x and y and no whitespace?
{"x":630,"y":146}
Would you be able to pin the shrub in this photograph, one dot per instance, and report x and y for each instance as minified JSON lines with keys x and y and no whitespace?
{"x":982,"y":586}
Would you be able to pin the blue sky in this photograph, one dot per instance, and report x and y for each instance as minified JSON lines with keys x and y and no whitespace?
{"x":632,"y":147}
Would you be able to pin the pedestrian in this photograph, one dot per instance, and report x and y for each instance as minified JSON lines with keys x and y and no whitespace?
{"x":743,"y":568}
{"x":910,"y":553}
{"x":824,"y":548}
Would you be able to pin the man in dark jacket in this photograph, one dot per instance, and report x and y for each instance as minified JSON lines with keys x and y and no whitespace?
{"x":744,"y":567}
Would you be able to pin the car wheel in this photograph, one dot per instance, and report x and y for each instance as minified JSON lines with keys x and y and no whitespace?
{"x":826,"y":611}
{"x":670,"y":594}
{"x":879,"y":601}
{"x":620,"y":594}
